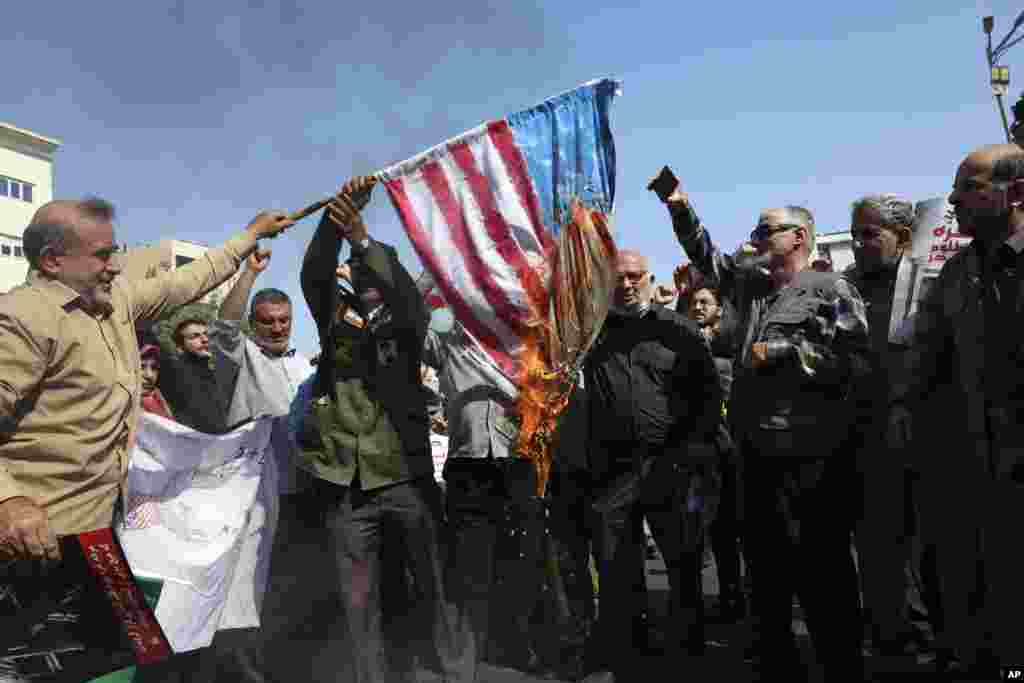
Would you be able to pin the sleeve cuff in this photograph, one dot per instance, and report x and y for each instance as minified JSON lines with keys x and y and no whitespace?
{"x":778,"y":349}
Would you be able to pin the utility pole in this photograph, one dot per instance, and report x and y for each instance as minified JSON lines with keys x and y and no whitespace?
{"x":999,"y":75}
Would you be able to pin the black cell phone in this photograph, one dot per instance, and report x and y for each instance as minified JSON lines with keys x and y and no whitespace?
{"x":665,"y":184}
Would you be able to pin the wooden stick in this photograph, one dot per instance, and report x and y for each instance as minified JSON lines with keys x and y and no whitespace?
{"x":311,"y":209}
{"x":360,"y":203}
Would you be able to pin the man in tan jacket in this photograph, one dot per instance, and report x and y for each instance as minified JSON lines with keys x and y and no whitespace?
{"x":70,"y":387}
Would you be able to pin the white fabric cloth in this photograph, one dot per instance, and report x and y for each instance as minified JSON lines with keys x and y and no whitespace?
{"x":264,"y":385}
{"x":199,"y":513}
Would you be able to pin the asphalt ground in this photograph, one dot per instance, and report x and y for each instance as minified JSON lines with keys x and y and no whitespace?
{"x":304,"y":634}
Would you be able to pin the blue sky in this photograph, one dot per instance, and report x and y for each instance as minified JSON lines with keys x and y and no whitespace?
{"x":192,"y":116}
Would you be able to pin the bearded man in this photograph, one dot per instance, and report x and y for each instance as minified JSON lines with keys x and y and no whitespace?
{"x":969,"y":341}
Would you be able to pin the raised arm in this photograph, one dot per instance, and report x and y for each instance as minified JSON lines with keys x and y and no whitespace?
{"x":719,"y":269}
{"x":378,"y":264}
{"x":226,"y":339}
{"x":233,"y":306}
{"x":151,"y":298}
{"x":319,"y":275}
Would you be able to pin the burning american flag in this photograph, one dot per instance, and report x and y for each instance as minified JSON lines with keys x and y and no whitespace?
{"x":511,"y":222}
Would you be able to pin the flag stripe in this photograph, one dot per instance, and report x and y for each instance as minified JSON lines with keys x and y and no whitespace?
{"x":463,"y":312}
{"x":478,"y":269}
{"x":515,"y":166}
{"x":450,"y":260}
{"x":498,"y":230}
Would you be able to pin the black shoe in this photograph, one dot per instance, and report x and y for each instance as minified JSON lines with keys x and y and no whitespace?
{"x":599,"y":677}
{"x":985,"y":666}
{"x":907,"y":643}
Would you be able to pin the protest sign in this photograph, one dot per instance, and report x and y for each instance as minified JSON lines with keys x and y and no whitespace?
{"x":199,"y":514}
{"x":936,"y":239}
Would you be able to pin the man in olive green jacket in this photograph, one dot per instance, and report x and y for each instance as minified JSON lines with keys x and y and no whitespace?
{"x":369,"y":443}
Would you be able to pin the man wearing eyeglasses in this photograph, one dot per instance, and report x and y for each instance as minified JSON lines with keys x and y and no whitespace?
{"x":881,"y":227}
{"x":804,"y":336}
{"x":654,"y":404}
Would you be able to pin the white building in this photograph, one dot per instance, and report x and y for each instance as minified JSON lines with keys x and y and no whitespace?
{"x":147,"y":261}
{"x":837,"y":247}
{"x":26,"y":182}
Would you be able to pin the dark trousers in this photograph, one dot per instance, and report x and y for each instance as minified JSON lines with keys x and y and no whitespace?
{"x":883,"y":539}
{"x":798,"y":518}
{"x":570,"y":526}
{"x":670,"y":496}
{"x":923,"y":592}
{"x":725,"y":533}
{"x":496,"y":536}
{"x":973,"y":521}
{"x":358,"y":522}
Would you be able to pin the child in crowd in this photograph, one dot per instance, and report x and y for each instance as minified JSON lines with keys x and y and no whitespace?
{"x":152,"y":400}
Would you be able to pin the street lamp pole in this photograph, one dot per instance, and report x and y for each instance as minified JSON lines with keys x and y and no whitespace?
{"x":999,"y":76}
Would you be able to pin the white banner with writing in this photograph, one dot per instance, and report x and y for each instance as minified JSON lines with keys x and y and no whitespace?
{"x":936,"y":239}
{"x":199,"y":513}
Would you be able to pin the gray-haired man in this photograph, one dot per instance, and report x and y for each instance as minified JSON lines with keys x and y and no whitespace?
{"x":804,"y":337}
{"x":881,"y":229}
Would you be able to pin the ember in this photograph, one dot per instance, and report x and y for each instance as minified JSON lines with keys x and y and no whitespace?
{"x":583,"y":278}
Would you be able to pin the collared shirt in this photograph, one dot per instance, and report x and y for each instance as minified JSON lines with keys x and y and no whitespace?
{"x":263,"y":385}
{"x":71,"y":384}
{"x":480,"y":398}
{"x":1016,"y":242}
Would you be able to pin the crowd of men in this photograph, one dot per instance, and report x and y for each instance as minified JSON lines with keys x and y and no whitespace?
{"x":757,"y":412}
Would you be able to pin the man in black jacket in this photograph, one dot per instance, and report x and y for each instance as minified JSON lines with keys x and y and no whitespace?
{"x":653,"y":396}
{"x":190,"y":383}
{"x":805,"y":339}
{"x":881,"y":226}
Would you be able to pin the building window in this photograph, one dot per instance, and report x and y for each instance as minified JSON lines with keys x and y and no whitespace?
{"x":17,"y":252}
{"x":16,"y":189}
{"x":5,"y":250}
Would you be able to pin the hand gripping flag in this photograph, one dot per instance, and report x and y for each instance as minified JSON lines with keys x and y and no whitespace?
{"x":510,"y":220}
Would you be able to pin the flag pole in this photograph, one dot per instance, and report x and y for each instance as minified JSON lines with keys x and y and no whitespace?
{"x":360,"y":202}
{"x":311,"y":209}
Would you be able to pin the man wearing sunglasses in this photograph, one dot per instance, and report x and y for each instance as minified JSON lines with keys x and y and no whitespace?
{"x":804,"y":338}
